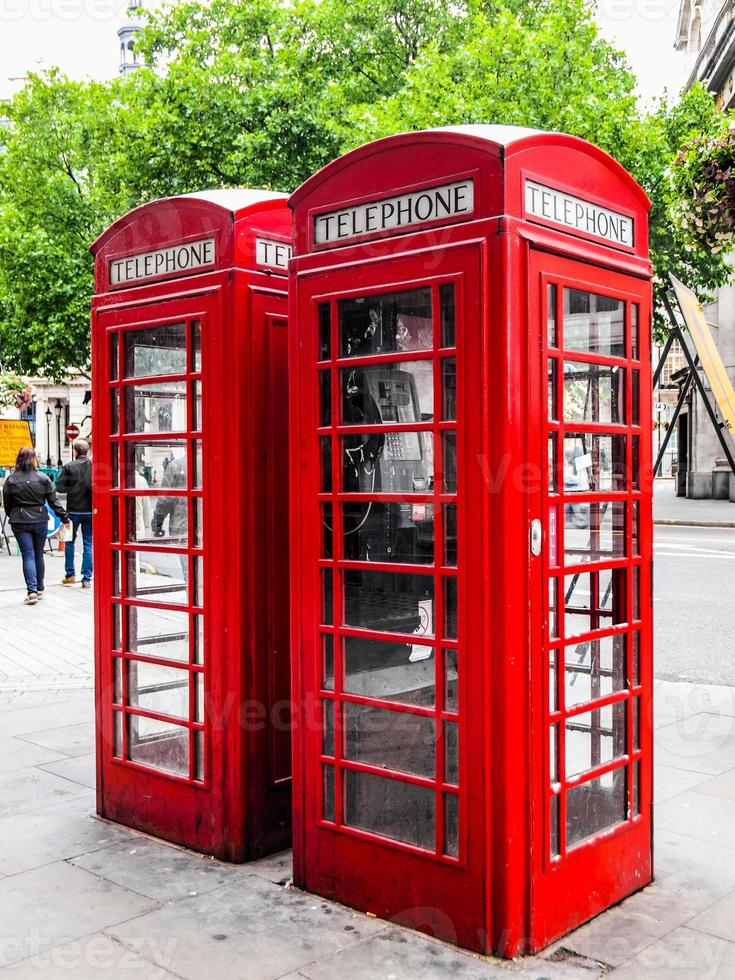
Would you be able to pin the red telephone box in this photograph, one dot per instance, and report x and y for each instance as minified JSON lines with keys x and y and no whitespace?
{"x":191,"y":536}
{"x":471,"y":515}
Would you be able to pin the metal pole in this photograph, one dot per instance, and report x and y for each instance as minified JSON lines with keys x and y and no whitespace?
{"x":58,"y":433}
{"x":48,"y":436}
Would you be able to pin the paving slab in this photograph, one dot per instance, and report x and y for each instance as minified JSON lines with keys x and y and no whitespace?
{"x":80,"y":769}
{"x":160,"y":871}
{"x":87,"y":959}
{"x":71,"y":740}
{"x":15,"y":753}
{"x":256,"y":927}
{"x":692,"y":814}
{"x":722,"y":785}
{"x":684,"y":954}
{"x":677,"y":700}
{"x":30,"y":789}
{"x":56,"y":904}
{"x":704,"y":742}
{"x":277,"y":868}
{"x":718,"y":920}
{"x":669,"y":782}
{"x":43,"y":717}
{"x":54,"y":833}
{"x":701,"y":871}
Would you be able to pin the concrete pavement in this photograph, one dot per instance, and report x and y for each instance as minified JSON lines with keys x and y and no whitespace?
{"x":670,"y":509}
{"x":83,"y":898}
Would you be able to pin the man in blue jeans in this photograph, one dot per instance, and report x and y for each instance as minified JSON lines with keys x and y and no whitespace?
{"x":75,"y":480}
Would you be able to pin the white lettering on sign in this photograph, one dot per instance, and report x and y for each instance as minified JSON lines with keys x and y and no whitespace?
{"x":578,"y":214}
{"x":418,"y":207}
{"x":272,"y":253}
{"x":189,"y":257}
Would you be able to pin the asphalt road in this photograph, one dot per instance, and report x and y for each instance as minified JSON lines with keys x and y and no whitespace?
{"x":694,"y":604}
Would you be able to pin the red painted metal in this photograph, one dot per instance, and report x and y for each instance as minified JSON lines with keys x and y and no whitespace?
{"x":220,"y":728}
{"x":498,"y":886}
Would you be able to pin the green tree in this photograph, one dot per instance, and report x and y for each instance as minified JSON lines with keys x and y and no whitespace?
{"x":263,"y":94}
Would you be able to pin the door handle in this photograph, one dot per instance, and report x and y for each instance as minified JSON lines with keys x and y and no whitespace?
{"x":536,"y":537}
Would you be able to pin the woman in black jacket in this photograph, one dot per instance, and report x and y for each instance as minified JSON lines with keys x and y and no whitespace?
{"x":25,"y":494}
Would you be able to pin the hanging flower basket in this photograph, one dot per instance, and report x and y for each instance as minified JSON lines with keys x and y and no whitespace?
{"x":703,"y":176}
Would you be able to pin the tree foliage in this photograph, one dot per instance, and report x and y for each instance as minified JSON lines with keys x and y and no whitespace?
{"x":263,"y":93}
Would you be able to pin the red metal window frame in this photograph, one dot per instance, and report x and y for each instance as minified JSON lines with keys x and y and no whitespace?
{"x":122,"y":711}
{"x":631,"y":694}
{"x":438,"y":571}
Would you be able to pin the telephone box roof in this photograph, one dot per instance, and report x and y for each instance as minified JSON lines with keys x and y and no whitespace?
{"x":497,"y":140}
{"x":237,"y":201}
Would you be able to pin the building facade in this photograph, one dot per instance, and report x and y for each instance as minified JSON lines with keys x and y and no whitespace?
{"x":706,"y":33}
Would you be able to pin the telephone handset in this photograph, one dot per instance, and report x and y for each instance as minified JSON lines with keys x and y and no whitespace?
{"x":393,"y":462}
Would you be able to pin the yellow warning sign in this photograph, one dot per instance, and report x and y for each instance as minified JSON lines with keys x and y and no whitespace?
{"x":14,"y":435}
{"x":709,"y":355}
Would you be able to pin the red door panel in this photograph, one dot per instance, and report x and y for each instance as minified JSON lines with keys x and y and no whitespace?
{"x":591,"y":635}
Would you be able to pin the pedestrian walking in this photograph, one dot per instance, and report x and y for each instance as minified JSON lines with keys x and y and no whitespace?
{"x":75,"y":480}
{"x":25,"y":495}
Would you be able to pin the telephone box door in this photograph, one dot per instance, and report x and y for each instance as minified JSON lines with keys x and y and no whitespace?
{"x":389,"y":386}
{"x":591,"y":654}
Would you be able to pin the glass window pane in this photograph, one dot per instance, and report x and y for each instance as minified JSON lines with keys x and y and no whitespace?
{"x":153,"y":687}
{"x":594,"y":668}
{"x":389,"y":601}
{"x":595,"y":806}
{"x":593,"y":531}
{"x":155,"y":351}
{"x":388,"y":671}
{"x":594,"y":600}
{"x":389,"y":532}
{"x":451,"y":680}
{"x":196,"y":346}
{"x":385,"y":323}
{"x":155,"y":464}
{"x":115,"y":466}
{"x":551,"y":314}
{"x":198,"y":563}
{"x":118,"y":680}
{"x":451,"y":824}
{"x":391,"y":462}
{"x":328,"y":728}
{"x":449,"y":389}
{"x":554,"y":826}
{"x":449,"y":452}
{"x":636,"y":641}
{"x":554,"y":754}
{"x":327,"y":597}
{"x":327,"y":531}
{"x":118,"y":718}
{"x":159,"y":745}
{"x":594,"y":738}
{"x":593,"y":462}
{"x":159,"y":407}
{"x":451,"y":752}
{"x":634,"y":474}
{"x":446,"y":300}
{"x":391,"y":739}
{"x":386,"y":393}
{"x":117,"y":627}
{"x":162,"y":633}
{"x":325,"y":331}
{"x":553,"y":479}
{"x":198,"y":522}
{"x":450,"y":534}
{"x":594,"y":392}
{"x":634,"y":331}
{"x":114,"y":357}
{"x":157,"y":576}
{"x":636,"y":788}
{"x":553,"y":608}
{"x":592,"y":323}
{"x":328,"y":662}
{"x":199,"y":756}
{"x":196,"y":405}
{"x":199,"y":707}
{"x":326,"y":456}
{"x":328,"y":790}
{"x":400,"y":811}
{"x":634,"y":383}
{"x":116,"y":573}
{"x":636,"y":702}
{"x":156,"y":520}
{"x":197,"y":477}
{"x":114,"y":410}
{"x":199,"y":640}
{"x":551,"y":373}
{"x":325,"y":398}
{"x":450,"y":608}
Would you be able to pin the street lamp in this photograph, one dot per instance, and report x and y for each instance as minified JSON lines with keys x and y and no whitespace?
{"x":58,"y":431}
{"x":48,"y":436}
